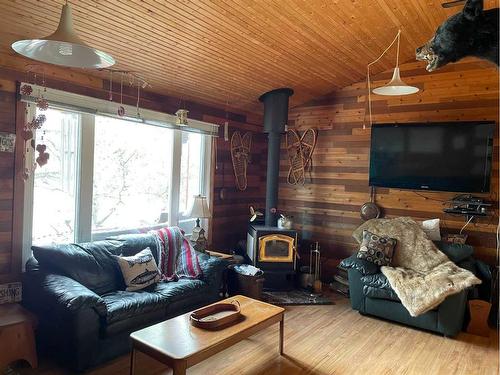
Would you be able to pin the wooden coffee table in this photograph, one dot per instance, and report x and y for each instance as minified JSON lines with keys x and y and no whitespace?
{"x":176,"y":343}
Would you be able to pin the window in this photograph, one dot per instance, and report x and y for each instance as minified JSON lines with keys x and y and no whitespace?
{"x":131,"y":175}
{"x":55,"y":184}
{"x":108,"y":176}
{"x":192,"y":178}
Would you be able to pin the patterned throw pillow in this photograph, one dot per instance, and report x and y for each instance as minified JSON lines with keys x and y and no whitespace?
{"x":377,"y":249}
{"x":139,"y":270}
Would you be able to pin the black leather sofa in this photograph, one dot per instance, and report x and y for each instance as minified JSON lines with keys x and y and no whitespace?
{"x":86,"y":316}
{"x":371,"y":294}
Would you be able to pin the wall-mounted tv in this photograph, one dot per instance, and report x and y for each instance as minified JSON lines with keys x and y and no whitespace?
{"x":453,"y":156}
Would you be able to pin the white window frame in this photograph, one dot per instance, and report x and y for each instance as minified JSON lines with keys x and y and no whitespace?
{"x":84,"y":193}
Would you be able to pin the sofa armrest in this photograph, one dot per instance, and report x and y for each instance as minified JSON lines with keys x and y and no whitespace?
{"x":62,"y":292}
{"x":451,"y":313}
{"x":69,"y":316}
{"x":212,"y":269}
{"x":362,"y":266}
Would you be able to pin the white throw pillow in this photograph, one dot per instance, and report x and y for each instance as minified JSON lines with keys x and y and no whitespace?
{"x":431,"y":229}
{"x":139,"y":270}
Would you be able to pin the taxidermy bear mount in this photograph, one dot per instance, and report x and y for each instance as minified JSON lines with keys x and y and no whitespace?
{"x":472,"y":32}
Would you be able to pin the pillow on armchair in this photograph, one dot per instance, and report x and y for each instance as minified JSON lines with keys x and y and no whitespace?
{"x":377,"y":249}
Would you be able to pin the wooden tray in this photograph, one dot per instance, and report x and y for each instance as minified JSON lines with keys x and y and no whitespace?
{"x":216,"y":316}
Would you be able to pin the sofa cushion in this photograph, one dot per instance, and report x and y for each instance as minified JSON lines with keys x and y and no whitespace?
{"x":377,"y":280}
{"x":132,"y":310}
{"x":372,"y":292}
{"x":92,"y":264}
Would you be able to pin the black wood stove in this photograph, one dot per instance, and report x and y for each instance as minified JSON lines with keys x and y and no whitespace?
{"x":270,"y":248}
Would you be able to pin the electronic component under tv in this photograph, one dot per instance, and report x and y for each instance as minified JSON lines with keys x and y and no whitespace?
{"x":455,"y":156}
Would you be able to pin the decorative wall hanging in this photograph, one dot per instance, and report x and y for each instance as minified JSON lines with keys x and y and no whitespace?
{"x":7,"y":142}
{"x":64,"y":47}
{"x":300,"y":151}
{"x":471,"y":32}
{"x":296,"y":172}
{"x":240,"y":157}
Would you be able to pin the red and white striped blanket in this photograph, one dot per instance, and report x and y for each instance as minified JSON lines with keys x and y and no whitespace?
{"x":176,"y":257}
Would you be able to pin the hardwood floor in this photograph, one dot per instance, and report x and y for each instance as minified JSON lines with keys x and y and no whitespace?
{"x":325,"y":340}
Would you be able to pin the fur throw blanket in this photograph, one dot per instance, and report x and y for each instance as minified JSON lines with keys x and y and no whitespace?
{"x":420,"y":274}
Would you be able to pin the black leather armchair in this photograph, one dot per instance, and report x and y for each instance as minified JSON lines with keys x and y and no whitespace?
{"x":370,"y":293}
{"x":86,"y":315}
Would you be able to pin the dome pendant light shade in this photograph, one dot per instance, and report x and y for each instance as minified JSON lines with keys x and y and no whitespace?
{"x":64,"y":47}
{"x":396,"y":86}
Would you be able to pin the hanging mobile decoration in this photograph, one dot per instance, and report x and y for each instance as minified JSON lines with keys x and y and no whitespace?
{"x":41,"y":103}
{"x":226,"y":125}
{"x":138,"y":97}
{"x":182,"y":117}
{"x":133,"y":79}
{"x":110,"y":85}
{"x":36,"y":123}
{"x":43,"y":157}
{"x":121,"y":109}
{"x":26,"y":90}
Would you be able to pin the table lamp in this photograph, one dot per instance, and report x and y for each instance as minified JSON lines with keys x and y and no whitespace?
{"x":199,"y":211}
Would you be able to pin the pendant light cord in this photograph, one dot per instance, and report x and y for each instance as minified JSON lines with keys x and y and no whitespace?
{"x":397,"y":38}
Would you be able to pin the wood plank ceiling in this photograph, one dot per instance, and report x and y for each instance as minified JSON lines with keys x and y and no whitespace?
{"x":231,"y":51}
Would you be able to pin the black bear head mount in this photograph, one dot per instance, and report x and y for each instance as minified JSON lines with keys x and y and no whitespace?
{"x":472,"y":32}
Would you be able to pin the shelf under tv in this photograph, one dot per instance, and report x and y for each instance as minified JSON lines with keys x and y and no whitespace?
{"x":454,"y":211}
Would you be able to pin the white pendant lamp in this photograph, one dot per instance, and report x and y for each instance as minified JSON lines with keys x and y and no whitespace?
{"x":64,"y":47}
{"x":396,"y":86}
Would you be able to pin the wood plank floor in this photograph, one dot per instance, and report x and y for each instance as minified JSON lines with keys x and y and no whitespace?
{"x":326,"y":340}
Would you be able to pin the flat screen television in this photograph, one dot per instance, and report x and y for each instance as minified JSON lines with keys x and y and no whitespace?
{"x":432,"y":156}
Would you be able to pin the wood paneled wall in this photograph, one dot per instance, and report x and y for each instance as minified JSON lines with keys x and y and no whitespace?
{"x":7,"y":124}
{"x":231,"y":206}
{"x":230,"y":215}
{"x":326,"y":208}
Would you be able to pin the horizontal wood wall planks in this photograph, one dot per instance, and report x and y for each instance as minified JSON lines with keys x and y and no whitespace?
{"x":326,"y":208}
{"x":231,"y":206}
{"x":7,"y":124}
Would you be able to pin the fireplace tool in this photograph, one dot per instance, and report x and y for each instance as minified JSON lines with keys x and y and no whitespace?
{"x":315,"y":266}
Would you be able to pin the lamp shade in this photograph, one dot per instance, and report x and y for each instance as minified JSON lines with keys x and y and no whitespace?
{"x":64,"y":47}
{"x":396,"y":86}
{"x":200,"y":207}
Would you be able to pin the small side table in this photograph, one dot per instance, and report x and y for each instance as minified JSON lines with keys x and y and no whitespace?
{"x":232,"y":259}
{"x":17,"y":339}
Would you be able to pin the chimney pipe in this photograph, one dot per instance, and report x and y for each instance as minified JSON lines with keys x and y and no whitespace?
{"x":275,"y":119}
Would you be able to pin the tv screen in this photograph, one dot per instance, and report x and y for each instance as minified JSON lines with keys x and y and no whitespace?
{"x":432,"y":156}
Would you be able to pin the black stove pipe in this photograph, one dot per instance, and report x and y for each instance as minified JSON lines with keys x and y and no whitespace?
{"x":275,"y":119}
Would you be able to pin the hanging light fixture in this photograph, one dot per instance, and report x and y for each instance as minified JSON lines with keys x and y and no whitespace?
{"x":64,"y":47}
{"x":396,"y":86}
